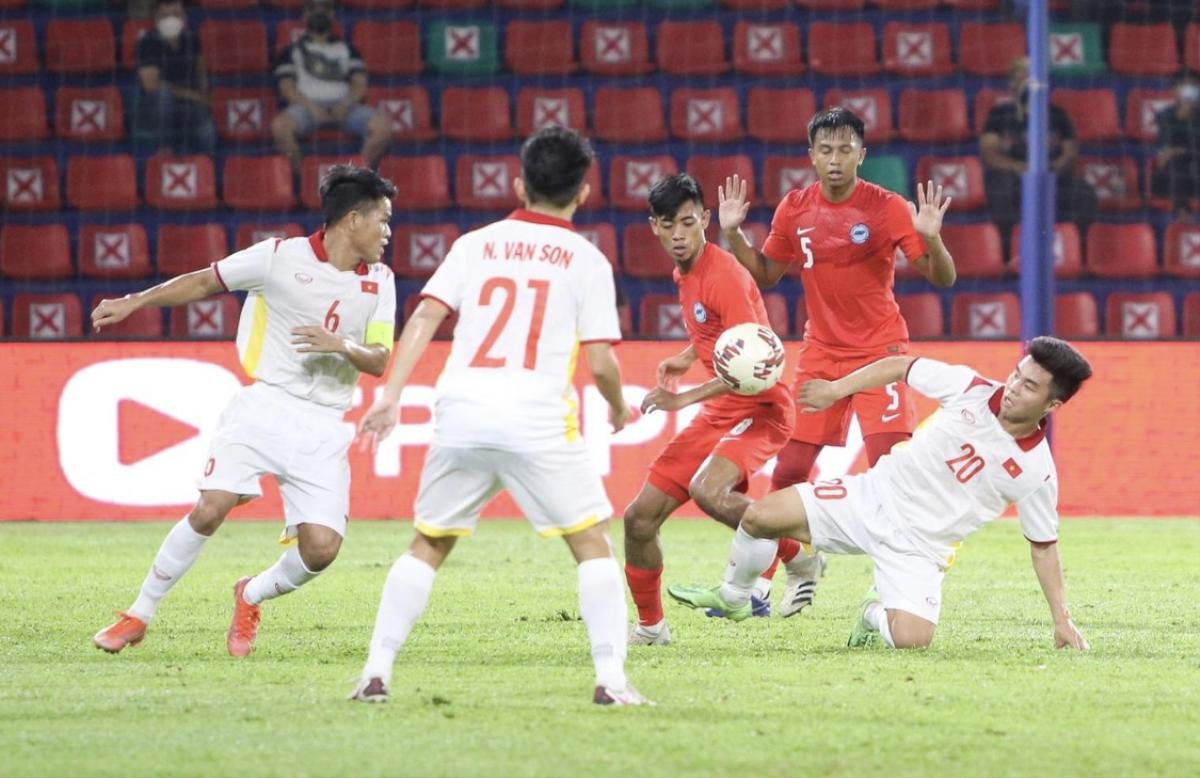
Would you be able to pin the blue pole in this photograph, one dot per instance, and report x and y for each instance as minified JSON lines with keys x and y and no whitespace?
{"x":1037,"y":188}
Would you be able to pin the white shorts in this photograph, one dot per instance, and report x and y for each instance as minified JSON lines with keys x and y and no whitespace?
{"x":557,"y":489}
{"x":264,"y":430}
{"x":845,"y":517}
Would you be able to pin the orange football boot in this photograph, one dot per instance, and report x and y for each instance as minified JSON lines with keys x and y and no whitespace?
{"x":125,"y":631}
{"x":244,"y":628}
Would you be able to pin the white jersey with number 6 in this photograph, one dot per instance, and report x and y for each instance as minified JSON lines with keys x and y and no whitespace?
{"x":529,"y":291}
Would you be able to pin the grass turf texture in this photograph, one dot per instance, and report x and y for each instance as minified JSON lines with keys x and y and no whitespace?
{"x":497,"y":680}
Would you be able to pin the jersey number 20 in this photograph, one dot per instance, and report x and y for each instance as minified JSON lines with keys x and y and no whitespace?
{"x":507,"y":289}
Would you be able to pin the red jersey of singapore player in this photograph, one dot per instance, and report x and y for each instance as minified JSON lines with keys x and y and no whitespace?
{"x":842,"y":233}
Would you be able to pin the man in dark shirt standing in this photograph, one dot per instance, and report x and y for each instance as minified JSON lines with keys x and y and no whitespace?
{"x":173,"y":102}
{"x":1176,"y":172}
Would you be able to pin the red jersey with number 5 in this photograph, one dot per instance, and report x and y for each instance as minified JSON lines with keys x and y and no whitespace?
{"x":846,"y":255}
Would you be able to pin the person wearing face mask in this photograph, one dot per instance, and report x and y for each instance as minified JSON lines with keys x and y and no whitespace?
{"x":1003,"y":149}
{"x":323,"y":80}
{"x":1176,"y":174}
{"x":173,"y":102}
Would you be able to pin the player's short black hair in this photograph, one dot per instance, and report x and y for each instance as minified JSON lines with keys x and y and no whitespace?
{"x":554,"y":163}
{"x":833,"y":120}
{"x":669,"y":194}
{"x":345,"y":188}
{"x":1068,"y":368}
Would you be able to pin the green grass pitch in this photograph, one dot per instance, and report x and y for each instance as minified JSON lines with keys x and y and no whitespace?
{"x":496,"y":680}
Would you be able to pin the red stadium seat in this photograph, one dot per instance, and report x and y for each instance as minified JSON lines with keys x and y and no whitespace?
{"x":452,"y":5}
{"x":604,"y":237}
{"x":1191,"y":46}
{"x":423,"y":183}
{"x":80,"y":46}
{"x":1121,"y":251}
{"x":923,"y":314}
{"x":114,"y":251}
{"x":778,"y":115}
{"x":976,"y":249}
{"x":1114,"y":180}
{"x":629,"y":115}
{"x":249,"y":233}
{"x":408,"y":108}
{"x":23,"y":114}
{"x":831,"y":5}
{"x":777,"y":313}
{"x":1181,"y":250}
{"x":1068,"y":259}
{"x":960,"y":178}
{"x":988,"y":48}
{"x":476,"y":113}
{"x":102,"y":183}
{"x":1191,"y":315}
{"x":783,"y":174}
{"x":538,"y":108}
{"x":312,"y":172}
{"x":540,"y":48}
{"x":756,"y":5}
{"x":842,"y":49}
{"x":418,"y":249}
{"x":486,"y":182}
{"x":659,"y":316}
{"x":258,"y":183}
{"x":47,"y":316}
{"x":242,"y":44}
{"x":18,"y":51}
{"x":705,"y":114}
{"x":141,"y":324}
{"x":1143,"y":49}
{"x":933,"y":116}
{"x":183,"y":248}
{"x":1141,"y":111}
{"x":642,"y":256}
{"x":366,"y":5}
{"x":985,"y":100}
{"x":630,"y":179}
{"x":755,"y":232}
{"x":35,"y":252}
{"x":614,"y":48}
{"x":917,"y":49}
{"x":131,"y":32}
{"x":228,"y":5}
{"x":288,"y":31}
{"x":972,"y":5}
{"x":982,"y":315}
{"x":690,"y":48}
{"x":445,"y":331}
{"x":242,"y":113}
{"x":1136,"y":316}
{"x":711,"y":172}
{"x":873,"y":106}
{"x":180,"y":183}
{"x":1092,"y":111}
{"x":530,"y":5}
{"x":89,"y":114}
{"x":767,"y":49}
{"x":1076,"y":316}
{"x":213,"y":317}
{"x":389,"y":48}
{"x":30,"y":184}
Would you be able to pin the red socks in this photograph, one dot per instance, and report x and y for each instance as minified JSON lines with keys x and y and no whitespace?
{"x":788,"y":549}
{"x":646,"y":588}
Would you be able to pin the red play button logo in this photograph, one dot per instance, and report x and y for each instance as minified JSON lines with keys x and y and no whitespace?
{"x":143,"y":431}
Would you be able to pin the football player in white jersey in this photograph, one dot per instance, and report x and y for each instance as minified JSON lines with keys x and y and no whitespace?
{"x":319,"y":310}
{"x":530,"y":294}
{"x":982,"y":451}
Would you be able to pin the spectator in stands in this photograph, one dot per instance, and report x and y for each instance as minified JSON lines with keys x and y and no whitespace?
{"x":1177,"y":164}
{"x":174,"y":107}
{"x":323,"y":80}
{"x":1002,"y":146}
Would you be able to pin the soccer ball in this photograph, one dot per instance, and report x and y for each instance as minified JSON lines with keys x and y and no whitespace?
{"x":748,"y":358}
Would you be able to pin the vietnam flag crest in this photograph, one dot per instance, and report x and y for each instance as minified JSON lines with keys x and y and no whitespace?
{"x":370,"y":287}
{"x":1012,"y":468}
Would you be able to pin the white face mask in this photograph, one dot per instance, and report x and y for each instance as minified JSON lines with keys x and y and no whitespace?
{"x":170,"y":27}
{"x":1189,"y":92}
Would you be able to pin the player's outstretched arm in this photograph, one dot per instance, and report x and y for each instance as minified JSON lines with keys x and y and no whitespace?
{"x":1048,"y":567}
{"x":732,"y":206}
{"x":818,"y":394}
{"x":607,"y":373}
{"x":662,"y":399}
{"x":180,"y":290}
{"x":927,"y":214}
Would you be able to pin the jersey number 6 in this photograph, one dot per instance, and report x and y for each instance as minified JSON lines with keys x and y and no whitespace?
{"x":541,"y":290}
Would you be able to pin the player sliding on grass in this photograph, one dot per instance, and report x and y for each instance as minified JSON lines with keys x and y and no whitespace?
{"x":530,"y":293}
{"x":320,"y":309}
{"x":985,"y":449}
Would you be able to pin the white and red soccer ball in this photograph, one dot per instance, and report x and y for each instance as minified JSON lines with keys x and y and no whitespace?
{"x":748,"y":358}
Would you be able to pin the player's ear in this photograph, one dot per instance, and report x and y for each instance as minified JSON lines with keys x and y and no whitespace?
{"x":519,"y":190}
{"x":582,"y":195}
{"x":705,"y":216}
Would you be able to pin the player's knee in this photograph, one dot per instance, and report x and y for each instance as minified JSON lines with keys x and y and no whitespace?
{"x":639,"y":524}
{"x":319,"y":554}
{"x":754,"y":521}
{"x":206,"y":517}
{"x":709,"y":499}
{"x":912,"y":632}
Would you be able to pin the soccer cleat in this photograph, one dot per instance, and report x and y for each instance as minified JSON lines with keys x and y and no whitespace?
{"x":803,"y":572}
{"x":864,"y":634}
{"x":243,"y":629}
{"x":643,"y":636}
{"x":125,"y":631}
{"x":759,"y":608}
{"x":372,"y":689}
{"x":609,"y":695}
{"x":699,"y":597}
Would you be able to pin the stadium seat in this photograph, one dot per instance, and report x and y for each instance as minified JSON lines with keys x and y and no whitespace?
{"x":1076,"y":315}
{"x":288,"y":31}
{"x":755,"y":232}
{"x":257,"y":183}
{"x":777,"y":313}
{"x":976,"y":249}
{"x":243,"y":113}
{"x":389,"y":48}
{"x":711,"y":172}
{"x":476,"y":113}
{"x":983,"y":315}
{"x":985,"y":100}
{"x":1140,"y":315}
{"x":933,"y":116}
{"x":1121,"y":251}
{"x":922,"y":313}
{"x":642,"y":256}
{"x":630,"y":179}
{"x":131,"y":32}
{"x":18,"y":51}
{"x":40,"y":252}
{"x":889,"y":171}
{"x":540,"y":48}
{"x":47,"y":316}
{"x":1114,"y":180}
{"x":777,"y":115}
{"x":75,"y":46}
{"x":180,"y":183}
{"x":873,"y":106}
{"x":212,"y":317}
{"x":444,"y":332}
{"x":242,"y":43}
{"x":538,"y":108}
{"x":628,"y":115}
{"x":182,"y":248}
{"x":988,"y":48}
{"x":1191,"y":46}
{"x":408,"y":108}
{"x":114,"y":251}
{"x":690,"y":48}
{"x":960,"y":178}
{"x":106,"y":183}
{"x":848,"y":49}
{"x":423,"y":183}
{"x":249,"y":233}
{"x":1141,"y":111}
{"x":89,"y":114}
{"x":227,"y":5}
{"x":23,"y":114}
{"x":905,"y":5}
{"x":614,"y":48}
{"x":783,"y":174}
{"x":30,"y":183}
{"x":972,"y":5}
{"x":917,"y":49}
{"x":1092,"y":111}
{"x":767,"y":49}
{"x":1068,"y":259}
{"x":1075,"y":49}
{"x":313,"y":170}
{"x":831,"y":5}
{"x":462,"y":49}
{"x":141,"y":324}
{"x":659,"y":316}
{"x":1181,"y":250}
{"x":705,"y":114}
{"x":418,"y":249}
{"x":1143,"y":49}
{"x":530,"y":5}
{"x":452,"y":5}
{"x":603,"y":236}
{"x":755,"y":5}
{"x":1191,"y":315}
{"x":486,"y":182}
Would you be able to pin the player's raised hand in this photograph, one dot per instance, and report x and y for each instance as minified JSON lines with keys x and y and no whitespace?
{"x":377,"y":424}
{"x":112,"y":311}
{"x":732,"y":202}
{"x":315,"y":339}
{"x":817,"y":395}
{"x":660,"y":399}
{"x":1067,"y":635}
{"x":929,"y":209}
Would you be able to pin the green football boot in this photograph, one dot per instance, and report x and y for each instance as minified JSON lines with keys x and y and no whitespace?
{"x":699,"y":597}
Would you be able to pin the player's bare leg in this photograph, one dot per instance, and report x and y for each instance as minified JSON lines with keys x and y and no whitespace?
{"x":643,"y":563}
{"x":793,"y":465}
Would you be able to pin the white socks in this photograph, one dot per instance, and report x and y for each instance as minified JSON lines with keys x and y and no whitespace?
{"x":287,"y":575}
{"x":747,"y":561}
{"x":180,"y":548}
{"x":405,"y":595}
{"x":602,"y":606}
{"x":876,"y":615}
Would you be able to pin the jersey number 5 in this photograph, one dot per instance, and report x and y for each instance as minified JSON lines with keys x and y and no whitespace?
{"x":806,"y":247}
{"x":541,"y":290}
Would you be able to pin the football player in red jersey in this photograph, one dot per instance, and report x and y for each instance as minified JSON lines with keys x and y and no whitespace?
{"x":843,"y":233}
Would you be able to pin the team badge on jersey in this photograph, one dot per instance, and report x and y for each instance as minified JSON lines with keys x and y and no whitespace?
{"x":699,"y":313}
{"x":859,"y":234}
{"x":1012,"y":468}
{"x":370,"y":287}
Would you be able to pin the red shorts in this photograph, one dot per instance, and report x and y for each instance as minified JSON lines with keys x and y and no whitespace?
{"x":885,"y":409}
{"x":745,"y":434}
